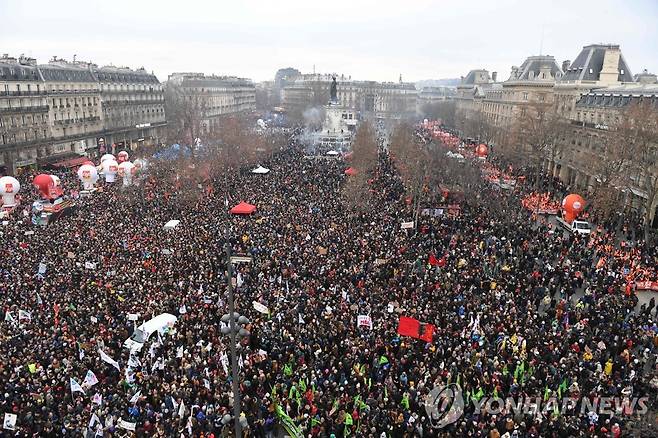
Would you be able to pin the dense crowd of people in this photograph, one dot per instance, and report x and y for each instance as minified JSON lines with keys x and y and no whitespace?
{"x":518,"y":311}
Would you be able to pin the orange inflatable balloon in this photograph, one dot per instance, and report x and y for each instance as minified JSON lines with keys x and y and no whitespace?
{"x":572,"y":206}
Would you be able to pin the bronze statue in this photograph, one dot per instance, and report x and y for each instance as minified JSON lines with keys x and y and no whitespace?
{"x":333,"y":99}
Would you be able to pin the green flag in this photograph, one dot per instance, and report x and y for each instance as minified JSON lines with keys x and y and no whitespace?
{"x":348,"y":420}
{"x":563,"y":387}
{"x":478,"y":395}
{"x":287,"y":370}
{"x":383,"y":360}
{"x":505,"y":371}
{"x":546,"y":392}
{"x":405,"y":402}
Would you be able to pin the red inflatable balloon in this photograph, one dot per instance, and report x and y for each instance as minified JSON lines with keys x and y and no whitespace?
{"x":482,"y":150}
{"x":572,"y":206}
{"x":46,"y":185}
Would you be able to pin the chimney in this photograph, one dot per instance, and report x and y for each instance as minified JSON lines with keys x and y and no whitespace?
{"x":565,"y":65}
{"x":494,"y":76}
{"x":610,"y":70}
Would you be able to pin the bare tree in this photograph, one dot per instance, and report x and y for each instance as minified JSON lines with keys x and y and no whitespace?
{"x":638,"y":130}
{"x":186,"y":112}
{"x":540,"y":135}
{"x":413,"y":161}
{"x":609,"y":164}
{"x":355,"y":193}
{"x":443,"y":110}
{"x":365,"y":148}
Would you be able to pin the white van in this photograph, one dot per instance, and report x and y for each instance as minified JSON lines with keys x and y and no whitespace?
{"x":141,"y":334}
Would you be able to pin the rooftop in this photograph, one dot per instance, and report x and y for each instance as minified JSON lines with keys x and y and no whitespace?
{"x":537,"y":68}
{"x":589,"y":63}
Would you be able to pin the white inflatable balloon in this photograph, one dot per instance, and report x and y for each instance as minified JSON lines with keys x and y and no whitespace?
{"x":88,"y":176}
{"x":110,"y":169}
{"x":127,"y":170}
{"x":107,"y":157}
{"x":9,"y":187}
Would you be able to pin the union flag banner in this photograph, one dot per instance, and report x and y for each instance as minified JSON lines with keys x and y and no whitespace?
{"x":646,"y":285}
{"x":413,"y":328}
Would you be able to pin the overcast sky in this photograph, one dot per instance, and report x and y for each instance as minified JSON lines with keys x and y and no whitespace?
{"x":367,"y":39}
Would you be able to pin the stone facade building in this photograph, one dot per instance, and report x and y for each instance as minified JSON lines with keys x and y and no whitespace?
{"x":24,"y":112}
{"x":62,"y":112}
{"x":379,"y":99}
{"x":133,"y":108}
{"x":218,"y":96}
{"x":590,"y":94}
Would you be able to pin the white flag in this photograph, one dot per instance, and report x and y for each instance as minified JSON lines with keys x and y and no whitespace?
{"x":90,"y":379}
{"x":81,"y":352}
{"x":179,"y":352}
{"x":97,"y":399}
{"x":300,"y":319}
{"x":174,"y":403}
{"x":9,"y":317}
{"x":133,"y":362}
{"x":206,"y":383}
{"x":39,"y":300}
{"x":75,"y":386}
{"x":182,"y":309}
{"x":223,"y":358}
{"x":181,"y":409}
{"x":135,"y":398}
{"x":109,"y":360}
{"x":189,"y":425}
{"x":23,"y":314}
{"x":94,"y":419}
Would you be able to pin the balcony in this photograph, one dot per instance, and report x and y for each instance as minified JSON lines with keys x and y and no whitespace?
{"x":23,"y":93}
{"x":25,"y":109}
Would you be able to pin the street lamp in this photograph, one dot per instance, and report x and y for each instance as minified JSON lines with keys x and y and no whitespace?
{"x":236,"y":330}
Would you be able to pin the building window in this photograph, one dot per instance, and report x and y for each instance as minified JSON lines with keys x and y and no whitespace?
{"x":525,"y":96}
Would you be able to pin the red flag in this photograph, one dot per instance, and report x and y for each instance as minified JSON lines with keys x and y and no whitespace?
{"x":426,"y":333}
{"x":408,"y":327}
{"x":433,"y":260}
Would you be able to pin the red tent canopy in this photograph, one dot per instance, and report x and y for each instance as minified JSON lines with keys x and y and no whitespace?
{"x":243,"y":208}
{"x":73,"y":162}
{"x":350,"y":171}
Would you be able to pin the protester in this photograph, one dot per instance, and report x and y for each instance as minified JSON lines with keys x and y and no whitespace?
{"x":517,"y":310}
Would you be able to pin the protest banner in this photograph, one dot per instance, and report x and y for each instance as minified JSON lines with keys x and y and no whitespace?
{"x":260,"y":307}
{"x":646,"y":285}
{"x":126,"y":425}
{"x":364,"y":321}
{"x":10,"y":421}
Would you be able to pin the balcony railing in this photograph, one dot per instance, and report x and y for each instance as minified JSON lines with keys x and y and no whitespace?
{"x":23,"y":93}
{"x":25,"y":109}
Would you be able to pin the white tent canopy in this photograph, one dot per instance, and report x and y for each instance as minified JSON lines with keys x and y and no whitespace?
{"x":261,"y":170}
{"x":171,"y":224}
